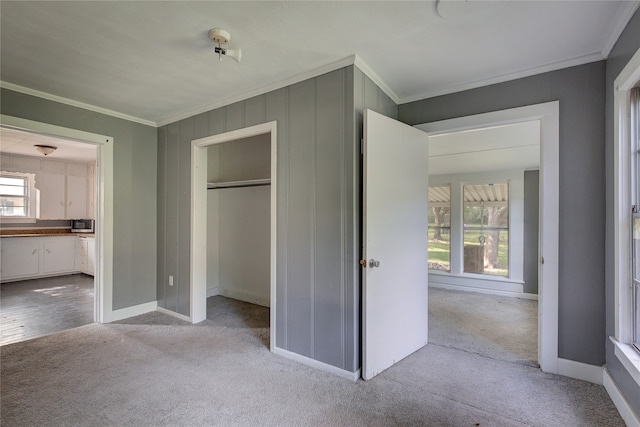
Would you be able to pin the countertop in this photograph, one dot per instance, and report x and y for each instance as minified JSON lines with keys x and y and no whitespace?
{"x":41,"y":232}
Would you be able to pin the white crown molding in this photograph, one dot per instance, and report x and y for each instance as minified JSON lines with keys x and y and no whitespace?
{"x":622,"y":18}
{"x":368,"y":71}
{"x":71,"y":102}
{"x":344,"y":62}
{"x":581,"y":60}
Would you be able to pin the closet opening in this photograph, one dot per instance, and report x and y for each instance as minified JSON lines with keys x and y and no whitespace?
{"x":233,"y":261}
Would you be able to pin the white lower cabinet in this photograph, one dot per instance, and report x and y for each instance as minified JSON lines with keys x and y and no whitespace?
{"x":58,"y":255}
{"x":20,"y":257}
{"x":85,"y":255}
{"x":31,"y":257}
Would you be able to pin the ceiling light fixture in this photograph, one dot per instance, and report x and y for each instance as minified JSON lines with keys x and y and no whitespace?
{"x":46,"y":149}
{"x":222,"y":37}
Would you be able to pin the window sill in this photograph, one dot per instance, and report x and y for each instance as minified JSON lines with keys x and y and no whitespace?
{"x":486,"y":277}
{"x":629,"y":357}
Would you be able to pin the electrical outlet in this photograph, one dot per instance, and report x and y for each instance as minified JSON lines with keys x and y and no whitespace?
{"x":170,"y":280}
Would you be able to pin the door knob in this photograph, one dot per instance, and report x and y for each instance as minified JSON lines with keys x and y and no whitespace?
{"x":373,"y":263}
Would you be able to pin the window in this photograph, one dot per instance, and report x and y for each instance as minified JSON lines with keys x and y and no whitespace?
{"x":626,"y":255}
{"x":486,"y":228}
{"x":14,"y":196}
{"x":635,"y":202}
{"x":440,"y":228}
{"x":18,"y":199}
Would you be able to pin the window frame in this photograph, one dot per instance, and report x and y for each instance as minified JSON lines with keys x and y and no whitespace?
{"x":429,"y":228}
{"x":32,"y":198}
{"x":457,"y":276}
{"x":628,"y":355}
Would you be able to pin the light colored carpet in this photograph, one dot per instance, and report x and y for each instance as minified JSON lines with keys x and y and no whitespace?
{"x":222,"y":373}
{"x":499,"y":327}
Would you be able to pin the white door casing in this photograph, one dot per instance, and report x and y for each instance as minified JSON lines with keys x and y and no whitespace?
{"x":395,"y":300}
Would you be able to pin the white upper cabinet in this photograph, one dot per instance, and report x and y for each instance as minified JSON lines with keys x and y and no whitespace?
{"x":66,"y":188}
{"x":76,"y":196}
{"x":52,"y":195}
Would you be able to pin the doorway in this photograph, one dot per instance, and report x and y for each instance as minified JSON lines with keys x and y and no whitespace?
{"x":103,"y":275}
{"x":204,"y":282}
{"x":548,"y":116}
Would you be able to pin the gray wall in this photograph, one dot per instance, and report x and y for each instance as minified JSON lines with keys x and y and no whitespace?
{"x":626,"y":46}
{"x":316,"y":291}
{"x":581,"y":93}
{"x":531,"y":228}
{"x":134,"y":193}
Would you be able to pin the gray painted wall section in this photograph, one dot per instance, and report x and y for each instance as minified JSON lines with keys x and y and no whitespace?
{"x":316,"y":272}
{"x":624,"y":49}
{"x":531,"y":228}
{"x":134,"y":193}
{"x":581,"y":93}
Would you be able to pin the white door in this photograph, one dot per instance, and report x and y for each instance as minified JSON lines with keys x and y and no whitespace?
{"x":395,"y":242}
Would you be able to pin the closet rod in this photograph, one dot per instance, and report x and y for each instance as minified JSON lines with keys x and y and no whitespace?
{"x":238,"y":184}
{"x":220,"y":187}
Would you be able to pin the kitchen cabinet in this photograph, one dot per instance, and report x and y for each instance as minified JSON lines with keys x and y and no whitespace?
{"x":20,"y":257}
{"x":76,"y":196}
{"x":62,"y":196}
{"x":85,"y":254}
{"x":66,"y":189}
{"x":58,"y":254}
{"x":31,"y":257}
{"x":52,"y":195}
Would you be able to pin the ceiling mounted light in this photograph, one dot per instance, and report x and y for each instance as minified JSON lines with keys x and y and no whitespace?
{"x":46,"y":149}
{"x":222,"y":37}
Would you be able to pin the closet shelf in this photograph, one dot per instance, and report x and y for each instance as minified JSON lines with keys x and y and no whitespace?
{"x":243,"y":183}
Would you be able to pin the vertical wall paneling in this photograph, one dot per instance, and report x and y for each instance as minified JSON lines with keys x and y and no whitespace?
{"x":254,"y":111}
{"x":329,"y":238}
{"x":350,"y":220}
{"x":173,"y":208}
{"x":301,"y":217}
{"x":217,"y":120}
{"x":162,"y":212}
{"x":234,"y":116}
{"x":277,"y":108}
{"x":182,"y":282}
{"x":319,"y":126}
{"x":201,"y":125}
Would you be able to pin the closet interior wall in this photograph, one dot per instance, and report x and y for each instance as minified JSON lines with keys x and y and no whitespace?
{"x":238,"y":220}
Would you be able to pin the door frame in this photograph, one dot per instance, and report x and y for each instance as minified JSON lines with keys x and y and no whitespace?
{"x":548,"y":250}
{"x":198,"y":267}
{"x":103,"y":278}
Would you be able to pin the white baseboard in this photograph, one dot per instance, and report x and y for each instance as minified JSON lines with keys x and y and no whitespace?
{"x":630,"y":418}
{"x":487,"y":291}
{"x":352,"y":376}
{"x":580,"y":371}
{"x":136,"y":310}
{"x":212,"y":292}
{"x":173,"y":313}
{"x":251,"y":297}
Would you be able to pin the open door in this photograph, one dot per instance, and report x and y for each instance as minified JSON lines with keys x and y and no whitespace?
{"x":395,"y":265}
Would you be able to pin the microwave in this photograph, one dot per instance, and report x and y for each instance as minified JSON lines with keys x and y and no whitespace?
{"x":82,"y":225}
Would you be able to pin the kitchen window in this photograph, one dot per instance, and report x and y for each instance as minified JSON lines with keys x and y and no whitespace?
{"x":17,"y":195}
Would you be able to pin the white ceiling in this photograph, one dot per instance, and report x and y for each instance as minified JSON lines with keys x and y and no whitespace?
{"x":153,"y":61}
{"x":512,"y":146}
{"x":14,"y":141}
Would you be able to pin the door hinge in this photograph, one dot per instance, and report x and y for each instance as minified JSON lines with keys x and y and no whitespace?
{"x":634,"y":208}
{"x":541,"y":260}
